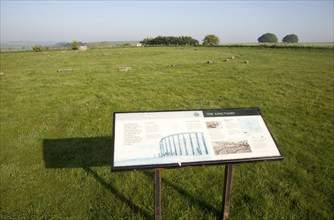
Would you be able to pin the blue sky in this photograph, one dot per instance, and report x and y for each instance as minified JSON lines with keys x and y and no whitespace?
{"x":231,"y":21}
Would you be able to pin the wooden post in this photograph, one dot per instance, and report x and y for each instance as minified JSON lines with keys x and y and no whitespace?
{"x":157,"y":194}
{"x":227,"y":192}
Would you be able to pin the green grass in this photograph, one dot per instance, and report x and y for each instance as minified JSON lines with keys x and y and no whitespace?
{"x":56,"y":132}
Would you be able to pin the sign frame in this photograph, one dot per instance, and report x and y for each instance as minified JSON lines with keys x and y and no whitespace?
{"x":242,"y":111}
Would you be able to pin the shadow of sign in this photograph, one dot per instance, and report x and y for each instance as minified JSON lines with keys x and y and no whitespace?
{"x":86,"y":153}
{"x":77,"y":152}
{"x":109,"y":186}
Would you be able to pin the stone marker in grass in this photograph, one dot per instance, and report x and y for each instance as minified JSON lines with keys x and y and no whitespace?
{"x":124,"y":68}
{"x":64,"y":70}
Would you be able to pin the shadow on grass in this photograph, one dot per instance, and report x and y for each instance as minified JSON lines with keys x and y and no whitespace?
{"x":85,"y":153}
{"x":119,"y":195}
{"x":97,"y":151}
{"x":77,"y":152}
{"x":198,"y":202}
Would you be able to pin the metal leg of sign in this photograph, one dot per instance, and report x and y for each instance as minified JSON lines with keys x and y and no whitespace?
{"x":157,"y":194}
{"x":227,"y":192}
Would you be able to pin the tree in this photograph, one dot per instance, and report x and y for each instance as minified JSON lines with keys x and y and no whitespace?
{"x":75,"y":45}
{"x":37,"y":48}
{"x":146,"y":41}
{"x":211,"y":40}
{"x":290,"y":38}
{"x":268,"y":38}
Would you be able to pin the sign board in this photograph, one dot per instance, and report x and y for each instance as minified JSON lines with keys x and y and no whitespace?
{"x":147,"y":140}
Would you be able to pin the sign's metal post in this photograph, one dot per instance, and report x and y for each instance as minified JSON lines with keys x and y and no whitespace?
{"x":227,"y":192}
{"x":157,"y":194}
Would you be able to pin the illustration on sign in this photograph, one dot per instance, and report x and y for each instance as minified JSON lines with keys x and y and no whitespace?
{"x":192,"y":143}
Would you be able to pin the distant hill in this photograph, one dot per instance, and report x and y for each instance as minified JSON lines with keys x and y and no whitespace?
{"x":61,"y":45}
{"x":106,"y":44}
{"x":27,"y":45}
{"x":23,"y":45}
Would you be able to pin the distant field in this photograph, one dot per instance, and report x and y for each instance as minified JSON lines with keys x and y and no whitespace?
{"x":56,"y":131}
{"x":16,"y":46}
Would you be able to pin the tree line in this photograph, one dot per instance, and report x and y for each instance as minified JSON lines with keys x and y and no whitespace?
{"x":209,"y":40}
{"x":170,"y":41}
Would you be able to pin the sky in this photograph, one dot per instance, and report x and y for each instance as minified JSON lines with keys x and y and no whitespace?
{"x":231,"y":21}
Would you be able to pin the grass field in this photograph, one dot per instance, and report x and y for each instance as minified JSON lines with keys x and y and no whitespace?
{"x":56,"y":132}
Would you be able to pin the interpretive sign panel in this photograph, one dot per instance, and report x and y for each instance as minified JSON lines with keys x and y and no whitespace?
{"x":144,"y":140}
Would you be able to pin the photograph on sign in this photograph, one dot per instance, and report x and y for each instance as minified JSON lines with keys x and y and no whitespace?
{"x":177,"y":137}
